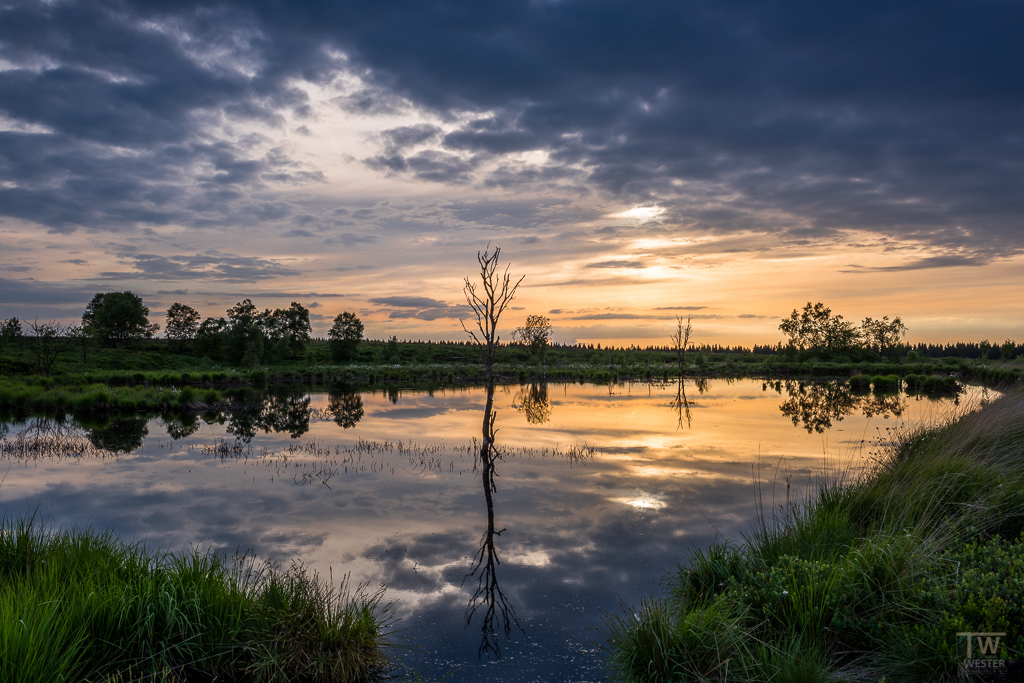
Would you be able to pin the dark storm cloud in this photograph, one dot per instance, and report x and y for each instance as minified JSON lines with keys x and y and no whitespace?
{"x":804,"y":118}
{"x":865,"y":115}
{"x":117,"y":102}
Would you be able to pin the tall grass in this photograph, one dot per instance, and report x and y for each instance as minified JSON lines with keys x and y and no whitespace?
{"x":870,"y":578}
{"x":80,"y":605}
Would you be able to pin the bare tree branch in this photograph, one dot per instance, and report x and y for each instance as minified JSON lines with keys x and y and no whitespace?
{"x":497,"y":293}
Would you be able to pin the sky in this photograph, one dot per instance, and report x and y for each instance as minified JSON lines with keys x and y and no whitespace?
{"x":634,"y":161}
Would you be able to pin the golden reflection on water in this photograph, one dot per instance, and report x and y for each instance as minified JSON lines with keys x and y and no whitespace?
{"x":597,"y":487}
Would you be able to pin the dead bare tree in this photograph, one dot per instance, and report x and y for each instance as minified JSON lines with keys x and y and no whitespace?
{"x":49,"y":341}
{"x":488,"y":303}
{"x":681,"y":339}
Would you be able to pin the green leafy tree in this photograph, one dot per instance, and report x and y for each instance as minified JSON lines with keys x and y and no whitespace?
{"x":245,"y":335}
{"x":389,"y":351}
{"x":1008,"y":351}
{"x":10,"y":334}
{"x":344,"y":336}
{"x":883,"y":335}
{"x":297,"y":326}
{"x":816,"y":328}
{"x":182,"y":323}
{"x":536,"y":335}
{"x":82,"y":339}
{"x":287,"y":330}
{"x":117,"y":318}
{"x":210,"y":337}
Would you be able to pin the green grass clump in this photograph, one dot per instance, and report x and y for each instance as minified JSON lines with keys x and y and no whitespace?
{"x":860,"y":382}
{"x":871,"y":578}
{"x":886,"y":383}
{"x":79,"y":605}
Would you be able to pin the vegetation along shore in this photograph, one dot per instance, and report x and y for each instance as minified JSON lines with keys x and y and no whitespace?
{"x":79,"y":605}
{"x":878,"y":578}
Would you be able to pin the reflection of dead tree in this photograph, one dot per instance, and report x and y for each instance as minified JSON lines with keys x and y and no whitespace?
{"x":532,"y":401}
{"x":499,"y":615}
{"x":682,"y":405}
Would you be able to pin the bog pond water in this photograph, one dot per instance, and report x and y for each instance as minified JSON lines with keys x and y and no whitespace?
{"x":498,"y":572}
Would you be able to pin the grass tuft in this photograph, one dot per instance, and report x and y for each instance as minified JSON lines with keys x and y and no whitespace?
{"x":81,"y":605}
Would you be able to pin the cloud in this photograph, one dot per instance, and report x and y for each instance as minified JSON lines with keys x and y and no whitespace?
{"x":680,"y":308}
{"x":947,"y":261}
{"x":409,"y":302}
{"x":615,"y":316}
{"x":432,"y":165}
{"x":212,"y":266}
{"x":403,"y":137}
{"x":31,"y":291}
{"x":617,"y":264}
{"x":421,"y":308}
{"x":794,"y":119}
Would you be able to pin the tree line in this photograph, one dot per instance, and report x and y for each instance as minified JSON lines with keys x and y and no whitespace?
{"x":245,"y":336}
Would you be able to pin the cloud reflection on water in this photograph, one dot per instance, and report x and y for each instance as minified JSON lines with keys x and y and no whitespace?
{"x":397,"y":500}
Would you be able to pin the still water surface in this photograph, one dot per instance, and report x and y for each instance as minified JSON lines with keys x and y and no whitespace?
{"x":595,"y":492}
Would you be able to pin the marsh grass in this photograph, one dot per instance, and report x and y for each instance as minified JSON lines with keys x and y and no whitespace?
{"x":101,"y":399}
{"x":81,"y":605}
{"x":872,"y":577}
